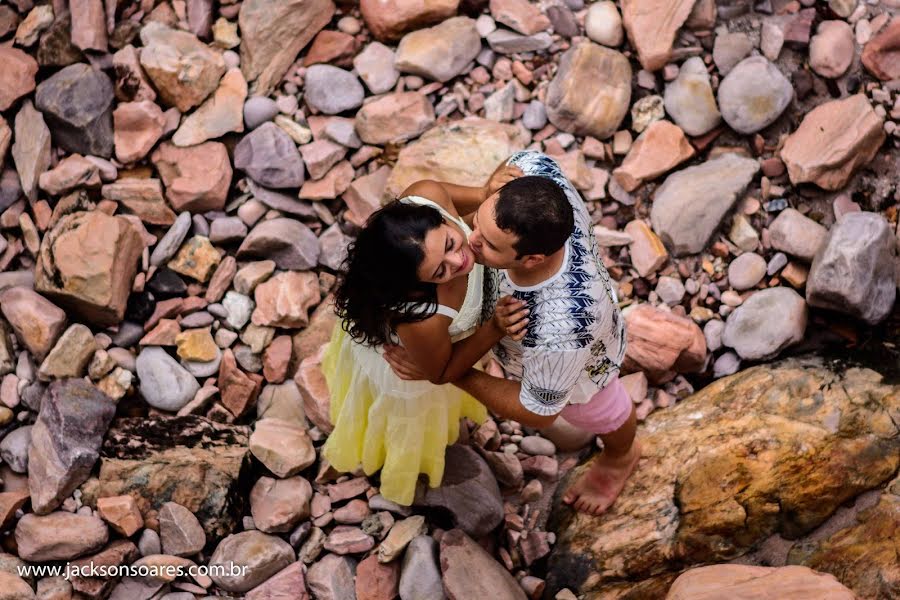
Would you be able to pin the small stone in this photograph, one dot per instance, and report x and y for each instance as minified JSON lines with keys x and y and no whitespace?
{"x":122,"y":514}
{"x":259,"y":110}
{"x":440,"y":52}
{"x":59,"y":536}
{"x":401,"y":534}
{"x":261,"y":555}
{"x":70,"y":355}
{"x":519,"y":15}
{"x":138,"y":126}
{"x":796,"y":234}
{"x":690,"y":101}
{"x":659,"y":149}
{"x":670,"y":290}
{"x":420,"y":575}
{"x":753,"y":95}
{"x":729,"y":49}
{"x":832,"y":49}
{"x":766,"y":323}
{"x":394,"y":118}
{"x":197,"y":178}
{"x":648,"y":254}
{"x":30,"y":152}
{"x":537,"y":446}
{"x":279,"y":505}
{"x":222,"y":113}
{"x":603,"y":24}
{"x":289,"y":243}
{"x":661,"y":343}
{"x":164,"y":383}
{"x":651,"y":27}
{"x":771,"y":40}
{"x":728,"y":363}
{"x":375,"y":66}
{"x":746,"y":271}
{"x":879,"y":56}
{"x":197,"y":258}
{"x":36,"y":321}
{"x":283,"y":447}
{"x":470,"y":572}
{"x":270,"y":157}
{"x":332,"y":578}
{"x":331,"y":90}
{"x":18,"y":76}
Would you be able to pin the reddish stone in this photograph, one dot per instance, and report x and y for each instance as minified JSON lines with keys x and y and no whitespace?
{"x":881,"y":56}
{"x":377,"y":581}
{"x":197,"y":178}
{"x":239,"y":390}
{"x":331,"y":47}
{"x":277,"y":358}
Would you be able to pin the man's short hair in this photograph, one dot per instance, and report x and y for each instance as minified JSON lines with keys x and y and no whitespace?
{"x":538,"y":212}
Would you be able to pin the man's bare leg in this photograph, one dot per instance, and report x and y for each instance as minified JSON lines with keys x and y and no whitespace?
{"x":597,"y":489}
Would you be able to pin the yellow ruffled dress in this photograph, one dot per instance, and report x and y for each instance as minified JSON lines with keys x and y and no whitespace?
{"x":383,"y":422}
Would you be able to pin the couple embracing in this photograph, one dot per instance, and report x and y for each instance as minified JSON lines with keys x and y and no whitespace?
{"x":448,"y":273}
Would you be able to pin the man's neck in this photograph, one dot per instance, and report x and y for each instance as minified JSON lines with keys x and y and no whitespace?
{"x":529,"y":277}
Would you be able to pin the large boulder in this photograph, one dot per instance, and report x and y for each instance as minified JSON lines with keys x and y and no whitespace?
{"x":77,"y":103}
{"x":745,"y":582}
{"x":273,"y":32}
{"x":591,"y":92}
{"x":853,"y":271}
{"x":199,"y":464}
{"x":65,"y":441}
{"x":87,"y":264}
{"x":776,"y":448}
{"x":463,"y":152}
{"x":833,"y":141}
{"x":690,"y":204}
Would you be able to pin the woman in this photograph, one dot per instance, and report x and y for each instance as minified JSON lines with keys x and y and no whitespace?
{"x":410,"y":278}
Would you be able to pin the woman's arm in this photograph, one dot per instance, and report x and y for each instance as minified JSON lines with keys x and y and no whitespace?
{"x":427,"y":343}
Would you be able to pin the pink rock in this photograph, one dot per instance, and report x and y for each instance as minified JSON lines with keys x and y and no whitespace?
{"x":521,"y":15}
{"x":648,"y":254}
{"x":314,"y":390}
{"x":88,"y":24}
{"x":832,"y":49}
{"x":746,"y":581}
{"x":320,"y":156}
{"x":122,"y":514}
{"x":881,"y":56}
{"x":353,"y":512}
{"x":72,"y":172}
{"x":132,"y":84}
{"x":377,"y":581}
{"x":285,"y":299}
{"x":363,"y":197}
{"x":348,"y":489}
{"x":16,"y":76}
{"x":276,"y":359}
{"x":660,"y":148}
{"x":138,"y":126}
{"x":279,"y":505}
{"x":239,"y":390}
{"x":662,"y":344}
{"x":348,"y":540}
{"x":197,"y":178}
{"x":331,"y":47}
{"x":388,"y":20}
{"x":394,"y":118}
{"x":651,"y":26}
{"x":289,"y":583}
{"x":333,"y":184}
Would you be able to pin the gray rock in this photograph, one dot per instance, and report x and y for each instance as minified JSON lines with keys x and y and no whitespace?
{"x":853,"y":271}
{"x":766,"y":323}
{"x":470,"y":572}
{"x":690,"y":205}
{"x":797,"y":234}
{"x":332,"y":578}
{"x":14,"y":449}
{"x":226,"y":231}
{"x":203,"y":369}
{"x":239,"y":308}
{"x":776,"y":263}
{"x":753,"y":95}
{"x":746,"y":271}
{"x":537,"y":446}
{"x":291,"y":244}
{"x":263,"y":555}
{"x":77,"y":104}
{"x":333,"y":243}
{"x":727,"y":364}
{"x":197,"y":320}
{"x":180,"y":531}
{"x":670,"y":290}
{"x":282,"y":202}
{"x":31,"y":153}
{"x":258,"y":110}
{"x":469,"y":492}
{"x":504,"y":41}
{"x":269,"y":156}
{"x":343,"y":132}
{"x":689,"y":99}
{"x":375,"y":66}
{"x":713,"y":331}
{"x":171,"y":241}
{"x":420,"y":576}
{"x":729,"y":49}
{"x":331,"y":90}
{"x":535,"y":115}
{"x":149,"y":543}
{"x":65,"y":441}
{"x":164,"y":383}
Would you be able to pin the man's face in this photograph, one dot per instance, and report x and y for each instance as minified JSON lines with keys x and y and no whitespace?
{"x":492,"y":246}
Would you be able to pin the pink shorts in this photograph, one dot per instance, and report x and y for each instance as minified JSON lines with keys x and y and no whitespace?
{"x":606,"y":411}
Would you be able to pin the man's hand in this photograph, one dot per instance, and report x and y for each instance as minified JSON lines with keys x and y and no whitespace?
{"x":402,"y":365}
{"x":500,"y":177}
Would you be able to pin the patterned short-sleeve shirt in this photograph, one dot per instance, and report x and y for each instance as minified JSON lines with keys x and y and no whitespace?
{"x":575,"y":339}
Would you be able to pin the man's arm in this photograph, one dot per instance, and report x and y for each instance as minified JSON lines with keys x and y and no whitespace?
{"x":501,"y":396}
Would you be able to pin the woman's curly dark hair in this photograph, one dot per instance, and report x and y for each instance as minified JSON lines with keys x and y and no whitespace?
{"x":378,"y":286}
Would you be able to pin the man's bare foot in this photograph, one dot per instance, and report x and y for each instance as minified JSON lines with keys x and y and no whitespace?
{"x":597,"y":489}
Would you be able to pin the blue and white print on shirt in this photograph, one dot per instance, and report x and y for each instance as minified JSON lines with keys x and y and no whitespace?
{"x":575,"y":339}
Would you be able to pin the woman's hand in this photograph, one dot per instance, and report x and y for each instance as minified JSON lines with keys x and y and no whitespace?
{"x":511,"y":317}
{"x":500,"y":177}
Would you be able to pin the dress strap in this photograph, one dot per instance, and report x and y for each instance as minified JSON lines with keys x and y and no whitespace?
{"x":419,"y":200}
{"x":447,"y":311}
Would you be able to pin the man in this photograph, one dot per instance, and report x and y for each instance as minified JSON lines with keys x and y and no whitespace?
{"x":537,"y":231}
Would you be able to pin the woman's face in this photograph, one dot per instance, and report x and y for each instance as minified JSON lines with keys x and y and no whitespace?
{"x":447,"y":255}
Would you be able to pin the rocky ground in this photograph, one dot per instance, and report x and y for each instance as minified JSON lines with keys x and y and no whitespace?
{"x":179,"y":181}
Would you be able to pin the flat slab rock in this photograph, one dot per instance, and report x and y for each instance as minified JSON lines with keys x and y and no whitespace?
{"x":197,"y":463}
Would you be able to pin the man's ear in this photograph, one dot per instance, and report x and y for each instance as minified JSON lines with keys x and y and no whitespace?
{"x":529,"y":261}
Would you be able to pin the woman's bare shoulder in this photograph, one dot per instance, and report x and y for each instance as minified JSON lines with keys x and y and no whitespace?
{"x":434,"y":191}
